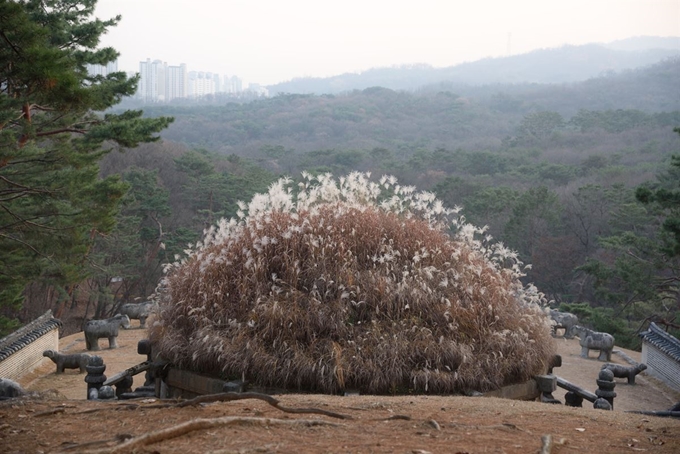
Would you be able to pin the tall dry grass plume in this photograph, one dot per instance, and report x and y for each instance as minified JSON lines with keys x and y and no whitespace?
{"x":352,"y":284}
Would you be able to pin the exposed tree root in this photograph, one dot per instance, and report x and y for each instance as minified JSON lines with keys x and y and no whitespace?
{"x":395,"y":417}
{"x":53,"y":411}
{"x":116,"y":407}
{"x":227,"y":397}
{"x":503,"y":426}
{"x":203,"y":424}
{"x":80,"y":446}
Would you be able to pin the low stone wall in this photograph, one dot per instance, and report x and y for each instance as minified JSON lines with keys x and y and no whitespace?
{"x":22,"y":350}
{"x":661,"y":353}
{"x":661,"y":366}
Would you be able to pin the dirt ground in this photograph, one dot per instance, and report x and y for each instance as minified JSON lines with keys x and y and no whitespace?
{"x":63,"y":421}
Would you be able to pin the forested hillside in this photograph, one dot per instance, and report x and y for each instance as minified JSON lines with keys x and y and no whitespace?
{"x":443,"y":116}
{"x":559,"y":65}
{"x":552,"y":170}
{"x":578,"y":177}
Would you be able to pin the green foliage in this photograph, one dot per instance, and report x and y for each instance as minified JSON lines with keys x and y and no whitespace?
{"x":52,"y":136}
{"x":535,"y":214}
{"x":638,"y":275}
{"x":618,"y":120}
{"x":540,"y":125}
{"x":134,"y":250}
{"x":490,"y":206}
{"x":215,"y":184}
{"x":667,"y":197}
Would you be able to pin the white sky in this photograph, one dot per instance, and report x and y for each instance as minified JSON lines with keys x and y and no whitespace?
{"x":270,"y":41}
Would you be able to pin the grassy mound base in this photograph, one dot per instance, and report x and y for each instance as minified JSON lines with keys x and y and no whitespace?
{"x":347,"y":296}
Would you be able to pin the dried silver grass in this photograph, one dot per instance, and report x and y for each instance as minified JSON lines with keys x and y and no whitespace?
{"x":352,"y":284}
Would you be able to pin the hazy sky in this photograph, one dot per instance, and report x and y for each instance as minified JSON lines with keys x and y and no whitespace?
{"x":269,"y":41}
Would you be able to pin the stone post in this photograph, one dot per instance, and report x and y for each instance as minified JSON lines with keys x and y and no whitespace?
{"x":95,"y":376}
{"x":605,"y":389}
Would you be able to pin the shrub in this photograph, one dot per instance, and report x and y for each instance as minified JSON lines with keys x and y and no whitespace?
{"x":352,"y":284}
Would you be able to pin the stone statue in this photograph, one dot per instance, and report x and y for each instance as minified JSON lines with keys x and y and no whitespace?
{"x":593,"y":340}
{"x":10,"y":389}
{"x":564,"y":320}
{"x":628,"y":372}
{"x":137,"y":311}
{"x":74,"y":361}
{"x":96,"y":329}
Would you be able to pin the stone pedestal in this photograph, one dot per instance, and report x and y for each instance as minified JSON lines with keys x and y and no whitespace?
{"x":547,"y":384}
{"x":95,"y":376}
{"x":605,"y":389}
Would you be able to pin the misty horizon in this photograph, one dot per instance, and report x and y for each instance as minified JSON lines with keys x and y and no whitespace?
{"x":269,"y":42}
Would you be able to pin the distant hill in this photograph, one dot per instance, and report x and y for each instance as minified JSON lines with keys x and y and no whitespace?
{"x":654,"y":88}
{"x":545,"y":66}
{"x":645,"y":42}
{"x":441,"y":114}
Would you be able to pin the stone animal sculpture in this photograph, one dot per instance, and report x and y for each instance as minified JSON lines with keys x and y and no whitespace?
{"x":593,"y":340}
{"x":628,"y":372}
{"x":564,"y":320}
{"x":96,"y":329}
{"x":10,"y":389}
{"x":74,"y":361}
{"x":137,"y":311}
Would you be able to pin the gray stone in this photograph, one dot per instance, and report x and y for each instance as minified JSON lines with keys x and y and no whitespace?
{"x":602,"y":404}
{"x":108,"y":328}
{"x":546,"y":383}
{"x":628,"y":372}
{"x":10,"y":389}
{"x":564,"y":320}
{"x":73,"y":361}
{"x":593,"y":340}
{"x":555,"y":361}
{"x":573,"y":400}
{"x":95,"y":376}
{"x":137,"y":311}
{"x":124,"y":386}
{"x":234,"y":387}
{"x":106,"y":392}
{"x":605,"y":389}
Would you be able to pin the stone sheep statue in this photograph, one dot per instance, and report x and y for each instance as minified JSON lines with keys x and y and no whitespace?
{"x":628,"y":372}
{"x":593,"y":340}
{"x":74,"y":361}
{"x":96,"y":329}
{"x":137,"y":311}
{"x":564,"y":320}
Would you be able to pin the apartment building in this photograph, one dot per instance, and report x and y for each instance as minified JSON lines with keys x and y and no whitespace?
{"x":152,"y":81}
{"x":178,"y":82}
{"x":162,"y":83}
{"x":102,"y":70}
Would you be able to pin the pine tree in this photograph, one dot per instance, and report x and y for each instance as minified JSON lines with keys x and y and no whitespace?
{"x":53,"y":133}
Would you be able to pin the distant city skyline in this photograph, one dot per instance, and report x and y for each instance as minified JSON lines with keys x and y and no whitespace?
{"x":270,"y":41}
{"x":161,"y":82}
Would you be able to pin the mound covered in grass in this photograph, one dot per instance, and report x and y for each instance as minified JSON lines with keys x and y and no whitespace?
{"x":352,"y":284}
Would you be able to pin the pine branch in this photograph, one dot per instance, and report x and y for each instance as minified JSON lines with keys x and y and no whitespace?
{"x":9,"y":43}
{"x":27,"y":188}
{"x":27,"y":245}
{"x":61,"y":131}
{"x":41,"y":108}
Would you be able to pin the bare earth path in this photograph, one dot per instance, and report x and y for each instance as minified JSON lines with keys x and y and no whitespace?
{"x":401,"y":424}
